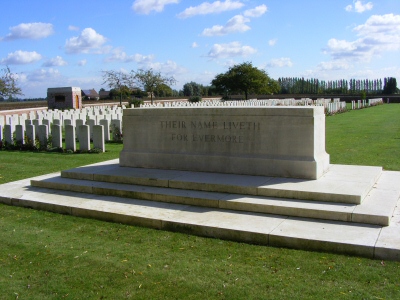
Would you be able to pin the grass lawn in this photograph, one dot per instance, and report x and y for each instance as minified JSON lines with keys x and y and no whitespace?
{"x":365,"y":137}
{"x":49,"y":256}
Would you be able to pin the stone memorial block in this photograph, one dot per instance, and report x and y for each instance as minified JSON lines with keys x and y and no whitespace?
{"x":70,"y":141}
{"x":84,"y":138}
{"x":268,"y":141}
{"x":19,"y":134}
{"x":98,"y":137}
{"x":56,"y":134}
{"x":106,"y":126}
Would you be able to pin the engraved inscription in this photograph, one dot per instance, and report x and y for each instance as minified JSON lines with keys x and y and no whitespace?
{"x":219,"y":137}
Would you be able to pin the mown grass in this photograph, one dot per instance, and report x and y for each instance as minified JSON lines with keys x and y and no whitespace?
{"x":365,"y":137}
{"x":50,"y":256}
{"x":16,"y":165}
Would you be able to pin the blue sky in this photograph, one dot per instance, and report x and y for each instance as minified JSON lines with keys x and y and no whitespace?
{"x":69,"y":43}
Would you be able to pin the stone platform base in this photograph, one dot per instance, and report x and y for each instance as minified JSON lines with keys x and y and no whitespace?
{"x":351,"y":209}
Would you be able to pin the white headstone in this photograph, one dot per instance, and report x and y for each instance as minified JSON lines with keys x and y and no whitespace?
{"x":84,"y":138}
{"x":8,"y":135}
{"x":91,"y":123}
{"x":36,"y":123}
{"x":56,"y":134}
{"x":70,"y":142}
{"x":47,"y":122}
{"x":106,"y":128}
{"x":116,"y":129}
{"x":67,"y":122}
{"x":43,"y":136}
{"x":30,"y":134}
{"x":78,"y":123}
{"x":19,"y":134}
{"x":98,"y":137}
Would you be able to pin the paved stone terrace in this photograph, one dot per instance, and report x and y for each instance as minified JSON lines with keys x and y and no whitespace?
{"x":273,"y":229}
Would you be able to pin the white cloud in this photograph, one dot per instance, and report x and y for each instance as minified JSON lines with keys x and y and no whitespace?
{"x":256,"y":12}
{"x":73,"y":28}
{"x":119,"y":55}
{"x":146,"y":62}
{"x":44,"y":75}
{"x":147,"y":6}
{"x":230,"y":50}
{"x":87,"y":42}
{"x":195,"y":45}
{"x":380,"y":33}
{"x":235,"y":24}
{"x":272,"y":42}
{"x":82,"y":62}
{"x":280,"y":62}
{"x":210,"y":8}
{"x":30,"y":31}
{"x":338,"y":46}
{"x":388,"y":24}
{"x":359,"y":7}
{"x":57,"y":61}
{"x":333,"y":65}
{"x":170,"y":67}
{"x":21,"y":58}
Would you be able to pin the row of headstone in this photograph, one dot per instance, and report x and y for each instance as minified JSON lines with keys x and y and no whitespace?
{"x":29,"y":132}
{"x":49,"y":117}
{"x":332,"y":107}
{"x":56,"y":141}
{"x":335,"y":107}
{"x":364,"y":103}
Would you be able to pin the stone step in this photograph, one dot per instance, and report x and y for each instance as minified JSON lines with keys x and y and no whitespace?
{"x":371,"y":241}
{"x":341,"y":184}
{"x":373,"y":211}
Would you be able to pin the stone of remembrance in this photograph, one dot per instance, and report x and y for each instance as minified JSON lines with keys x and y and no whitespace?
{"x":267,"y":141}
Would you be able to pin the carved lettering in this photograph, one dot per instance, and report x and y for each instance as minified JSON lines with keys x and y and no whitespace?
{"x":208,"y":137}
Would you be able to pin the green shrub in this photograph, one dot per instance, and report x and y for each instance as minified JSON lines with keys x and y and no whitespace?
{"x":136,"y":102}
{"x":193,"y":99}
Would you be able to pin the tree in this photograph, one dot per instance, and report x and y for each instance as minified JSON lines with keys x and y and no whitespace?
{"x":8,"y":84}
{"x":118,"y":81}
{"x":245,"y":78}
{"x":187,"y":89}
{"x":164,"y":90}
{"x":192,"y":89}
{"x":390,"y":86}
{"x":151,"y":81}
